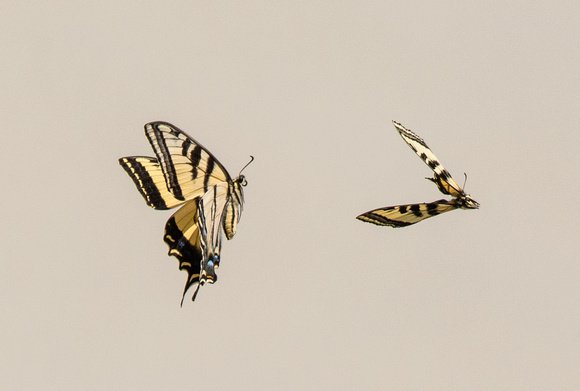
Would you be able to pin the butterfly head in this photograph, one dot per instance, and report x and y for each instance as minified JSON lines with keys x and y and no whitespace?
{"x":242,"y":180}
{"x":465,"y":201}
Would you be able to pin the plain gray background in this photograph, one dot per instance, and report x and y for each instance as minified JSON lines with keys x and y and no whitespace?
{"x":307,"y":297}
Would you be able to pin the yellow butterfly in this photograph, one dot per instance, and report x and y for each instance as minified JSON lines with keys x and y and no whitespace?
{"x":184,"y":173}
{"x":404,"y":215}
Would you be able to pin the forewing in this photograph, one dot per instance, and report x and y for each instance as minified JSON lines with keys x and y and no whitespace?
{"x":404,"y":215}
{"x":183,"y":238}
{"x":442,"y":179}
{"x":147,"y":175}
{"x":190,"y":170}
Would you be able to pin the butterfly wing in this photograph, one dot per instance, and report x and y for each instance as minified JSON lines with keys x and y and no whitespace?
{"x":182,"y":235}
{"x":442,"y":177}
{"x":189,"y":169}
{"x":211,"y":209}
{"x":404,"y":215}
{"x":219,"y":210}
{"x":148,"y":177}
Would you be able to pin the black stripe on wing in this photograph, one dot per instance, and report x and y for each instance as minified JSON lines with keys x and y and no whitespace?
{"x":404,"y":215}
{"x":189,"y":168}
{"x":148,"y":177}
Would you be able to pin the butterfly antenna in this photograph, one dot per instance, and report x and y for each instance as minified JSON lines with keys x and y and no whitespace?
{"x":465,"y":180}
{"x":251,"y":160}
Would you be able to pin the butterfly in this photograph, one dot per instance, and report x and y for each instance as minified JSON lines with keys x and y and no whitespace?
{"x":184,"y":173}
{"x":404,"y":215}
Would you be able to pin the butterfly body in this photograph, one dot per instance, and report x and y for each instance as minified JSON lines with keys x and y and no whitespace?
{"x":404,"y":215}
{"x":184,"y":173}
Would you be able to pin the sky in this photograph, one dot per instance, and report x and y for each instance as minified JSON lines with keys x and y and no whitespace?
{"x":308,"y":297}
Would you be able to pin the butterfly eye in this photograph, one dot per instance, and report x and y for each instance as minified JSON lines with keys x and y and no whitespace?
{"x":243,"y":180}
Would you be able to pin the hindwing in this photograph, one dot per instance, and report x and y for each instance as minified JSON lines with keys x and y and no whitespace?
{"x":182,"y":235}
{"x":211,"y":211}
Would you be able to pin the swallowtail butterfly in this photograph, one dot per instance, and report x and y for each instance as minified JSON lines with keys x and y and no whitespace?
{"x":184,"y":173}
{"x":404,"y":215}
